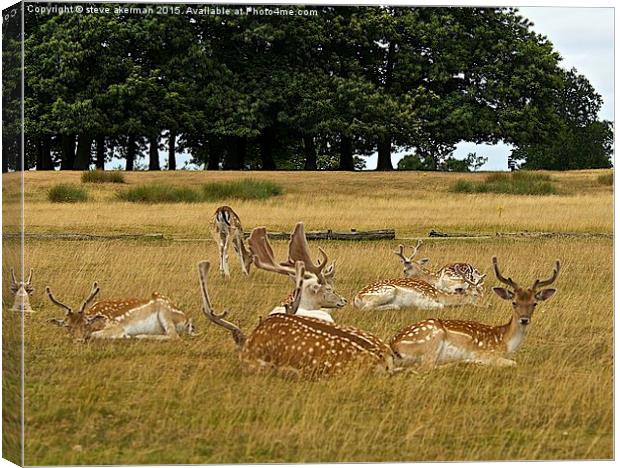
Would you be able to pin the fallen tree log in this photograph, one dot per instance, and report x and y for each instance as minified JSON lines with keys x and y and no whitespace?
{"x":353,"y":235}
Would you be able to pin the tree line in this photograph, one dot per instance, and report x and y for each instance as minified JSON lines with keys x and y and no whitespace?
{"x":244,"y":91}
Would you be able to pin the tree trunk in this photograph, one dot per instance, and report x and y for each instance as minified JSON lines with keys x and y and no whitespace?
{"x":46,"y":154}
{"x":131,"y":153}
{"x":384,"y":159}
{"x":214,"y":149}
{"x":100,"y":159}
{"x":309,"y":153}
{"x":346,"y":154}
{"x":84,"y":152}
{"x":235,"y":159}
{"x":267,"y":140}
{"x":68,"y":152}
{"x":172,"y":158}
{"x":39,"y":145}
{"x":154,"y":154}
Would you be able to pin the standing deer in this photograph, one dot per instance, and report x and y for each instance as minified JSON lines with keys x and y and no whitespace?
{"x":450,"y":278}
{"x":301,"y":346}
{"x":398,"y":293}
{"x":434,"y":342}
{"x":22,"y":291}
{"x":226,"y":227}
{"x":155,"y":319}
{"x":318,"y":293}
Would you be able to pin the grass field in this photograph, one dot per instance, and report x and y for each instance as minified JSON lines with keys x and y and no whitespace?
{"x":190,"y":401}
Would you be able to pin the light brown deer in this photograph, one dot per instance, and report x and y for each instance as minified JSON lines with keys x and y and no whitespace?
{"x":156,"y":319}
{"x":299,"y":346}
{"x":22,"y":291}
{"x":226,"y":228}
{"x":451,"y":277}
{"x":399,"y":293}
{"x":318,"y":293}
{"x":434,"y":342}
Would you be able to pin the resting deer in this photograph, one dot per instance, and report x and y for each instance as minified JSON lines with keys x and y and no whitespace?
{"x":452,"y":277}
{"x":301,"y":346}
{"x":318,"y":293}
{"x":22,"y":291}
{"x":398,"y":293}
{"x":434,"y":342}
{"x":226,"y":228}
{"x":156,"y":319}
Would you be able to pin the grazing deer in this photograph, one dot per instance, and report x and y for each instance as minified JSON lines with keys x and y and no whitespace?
{"x":434,"y":342}
{"x":226,"y":227}
{"x":451,"y":278}
{"x":155,"y":319}
{"x":398,"y":293}
{"x":301,"y":346}
{"x":22,"y":291}
{"x":318,"y":293}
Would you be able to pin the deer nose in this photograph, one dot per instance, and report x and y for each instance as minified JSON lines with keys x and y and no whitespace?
{"x":524,"y":320}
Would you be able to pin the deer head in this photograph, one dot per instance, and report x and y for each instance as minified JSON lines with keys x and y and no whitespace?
{"x":412,"y":268}
{"x":22,"y":291}
{"x":524,"y":300}
{"x":78,"y":324}
{"x":316,"y":291}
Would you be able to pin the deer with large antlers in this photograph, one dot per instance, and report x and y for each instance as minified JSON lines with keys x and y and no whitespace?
{"x":226,"y":228}
{"x":318,"y":293}
{"x":301,"y":346}
{"x":451,"y":277}
{"x":399,"y":293}
{"x":434,"y":342}
{"x":156,"y":318}
{"x":22,"y":291}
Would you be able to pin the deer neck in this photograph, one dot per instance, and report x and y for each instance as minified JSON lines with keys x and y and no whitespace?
{"x":309,"y":302}
{"x":513,"y":334}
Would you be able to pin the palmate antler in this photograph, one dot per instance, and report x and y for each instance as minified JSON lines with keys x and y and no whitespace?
{"x":263,"y":253}
{"x":298,"y":250}
{"x":300,"y":271}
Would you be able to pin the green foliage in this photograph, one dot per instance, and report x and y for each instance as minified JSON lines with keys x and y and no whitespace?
{"x":101,"y":177}
{"x":516,"y":183}
{"x":416,"y":162}
{"x":67,"y":193}
{"x":245,"y":189}
{"x":160,"y":193}
{"x":606,"y":179}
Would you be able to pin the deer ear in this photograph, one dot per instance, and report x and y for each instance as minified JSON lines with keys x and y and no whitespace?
{"x":315,"y":288}
{"x":544,"y":294}
{"x":504,"y":293}
{"x":56,"y":321}
{"x":423,"y":261}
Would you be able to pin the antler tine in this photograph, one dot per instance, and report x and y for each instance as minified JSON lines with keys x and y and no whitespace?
{"x":207,"y":309}
{"x":298,"y":250}
{"x":13,"y":276}
{"x":262,"y":253}
{"x":93,"y":292}
{"x":414,"y":250}
{"x":401,"y":253}
{"x":507,"y":281}
{"x":56,"y":301}
{"x":29,"y":277}
{"x":300,"y":271}
{"x":538,"y":283}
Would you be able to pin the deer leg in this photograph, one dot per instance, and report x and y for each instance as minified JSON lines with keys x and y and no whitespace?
{"x":165,"y":319}
{"x":113,"y":332}
{"x":384,"y":301}
{"x":432,"y":352}
{"x":495,"y":361}
{"x":152,"y":337}
{"x":224,"y":255}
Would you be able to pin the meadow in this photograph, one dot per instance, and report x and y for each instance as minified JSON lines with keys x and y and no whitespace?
{"x":190,"y":401}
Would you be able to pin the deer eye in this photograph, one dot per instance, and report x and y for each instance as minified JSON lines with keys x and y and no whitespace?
{"x":514,"y":303}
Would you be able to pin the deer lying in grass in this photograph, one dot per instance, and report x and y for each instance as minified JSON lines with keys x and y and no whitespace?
{"x":226,"y":228}
{"x":318,"y":293}
{"x":155,"y":319}
{"x":399,"y":293}
{"x":451,"y":277}
{"x":434,"y":342}
{"x":301,"y":346}
{"x":22,"y":291}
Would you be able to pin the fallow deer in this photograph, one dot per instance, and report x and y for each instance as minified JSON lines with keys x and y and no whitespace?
{"x":226,"y":228}
{"x":155,"y":319}
{"x":434,"y":342}
{"x":451,"y":278}
{"x":318,"y":293}
{"x":398,"y":293}
{"x":301,"y":346}
{"x":22,"y":291}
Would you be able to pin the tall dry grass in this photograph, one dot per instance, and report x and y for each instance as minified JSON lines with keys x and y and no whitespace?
{"x":191,"y":402}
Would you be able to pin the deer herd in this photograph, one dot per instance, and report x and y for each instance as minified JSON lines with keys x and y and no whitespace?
{"x":299,"y":337}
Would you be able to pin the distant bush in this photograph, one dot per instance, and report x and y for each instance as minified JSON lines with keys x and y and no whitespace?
{"x":101,"y":177}
{"x":606,"y":179}
{"x":517,"y":183}
{"x":67,"y":193}
{"x":245,"y":189}
{"x":160,"y":193}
